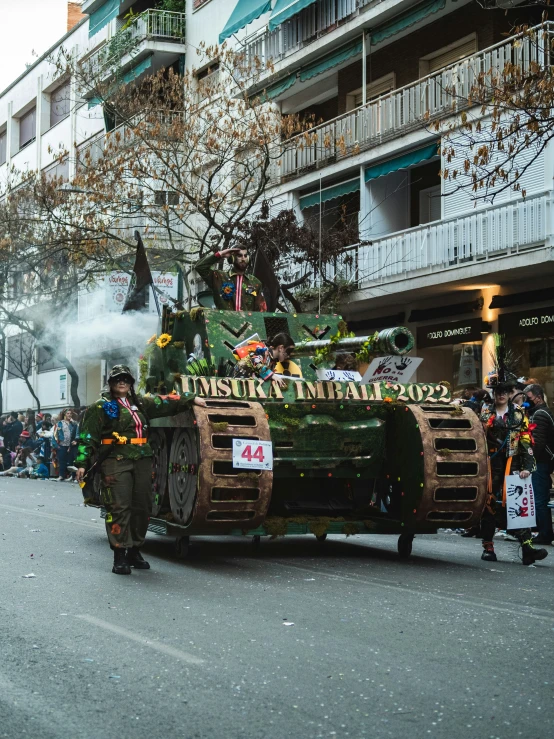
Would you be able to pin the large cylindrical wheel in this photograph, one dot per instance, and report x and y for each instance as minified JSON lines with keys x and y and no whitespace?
{"x":183,"y":474}
{"x":158,"y":442}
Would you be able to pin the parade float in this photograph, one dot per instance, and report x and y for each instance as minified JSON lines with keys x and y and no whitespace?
{"x":313,"y":449}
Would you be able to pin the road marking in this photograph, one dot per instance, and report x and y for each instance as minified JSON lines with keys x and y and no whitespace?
{"x":152,"y":643}
{"x":522,"y":610}
{"x":52,"y":516}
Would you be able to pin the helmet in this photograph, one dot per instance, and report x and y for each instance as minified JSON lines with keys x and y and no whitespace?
{"x":118,"y":370}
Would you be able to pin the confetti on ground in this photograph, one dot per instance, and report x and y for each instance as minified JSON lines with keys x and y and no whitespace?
{"x":31,"y":574}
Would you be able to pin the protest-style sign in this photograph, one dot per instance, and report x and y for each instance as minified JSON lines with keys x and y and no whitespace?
{"x":252,"y":455}
{"x":520,"y":502}
{"x":391,"y":369}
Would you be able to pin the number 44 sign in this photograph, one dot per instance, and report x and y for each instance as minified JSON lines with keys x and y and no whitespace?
{"x":252,"y":455}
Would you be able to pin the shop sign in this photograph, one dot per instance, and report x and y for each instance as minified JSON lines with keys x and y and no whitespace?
{"x":168,"y":283}
{"x":117,"y":287}
{"x":532,"y":322}
{"x":456,"y":332}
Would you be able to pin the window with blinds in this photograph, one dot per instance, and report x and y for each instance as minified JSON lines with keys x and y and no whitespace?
{"x":27,"y":128}
{"x":448,"y":55}
{"x":374,"y":89}
{"x":59,"y":104}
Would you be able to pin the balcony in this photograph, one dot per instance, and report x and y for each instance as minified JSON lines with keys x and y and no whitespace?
{"x":309,"y":25}
{"x":412,"y":107}
{"x":160,"y":26}
{"x":504,"y":230}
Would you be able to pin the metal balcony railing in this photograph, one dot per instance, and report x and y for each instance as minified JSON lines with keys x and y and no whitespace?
{"x":410,"y":107}
{"x":302,"y":29}
{"x":500,"y":230}
{"x":158,"y":25}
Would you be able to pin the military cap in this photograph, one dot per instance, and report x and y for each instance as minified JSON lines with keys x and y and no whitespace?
{"x":118,"y":370}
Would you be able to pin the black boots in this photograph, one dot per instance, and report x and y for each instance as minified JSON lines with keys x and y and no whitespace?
{"x":530,"y":555}
{"x":120,"y":565}
{"x":488,"y":552}
{"x":134,"y":559}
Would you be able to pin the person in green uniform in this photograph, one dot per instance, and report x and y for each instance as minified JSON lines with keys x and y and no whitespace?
{"x":232,"y":289}
{"x":117,"y":423}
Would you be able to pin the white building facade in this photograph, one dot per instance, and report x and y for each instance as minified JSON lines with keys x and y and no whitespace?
{"x":372,"y":75}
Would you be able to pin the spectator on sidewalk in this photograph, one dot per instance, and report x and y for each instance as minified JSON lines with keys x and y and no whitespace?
{"x":45,"y":435}
{"x":541,"y":424}
{"x":23,"y":464}
{"x":40,"y":471}
{"x":65,"y":433}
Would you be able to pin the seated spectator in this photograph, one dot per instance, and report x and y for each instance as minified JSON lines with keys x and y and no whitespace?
{"x":40,"y":471}
{"x":23,"y":464}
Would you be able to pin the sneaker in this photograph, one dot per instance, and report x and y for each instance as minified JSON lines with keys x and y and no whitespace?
{"x":59,"y":479}
{"x":489,"y":554}
{"x":530,"y":555}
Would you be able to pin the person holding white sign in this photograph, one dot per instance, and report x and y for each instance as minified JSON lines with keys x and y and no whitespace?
{"x":510,"y":452}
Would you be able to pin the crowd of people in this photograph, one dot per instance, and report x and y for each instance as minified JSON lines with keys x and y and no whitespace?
{"x":519,"y":427}
{"x":38,"y":445}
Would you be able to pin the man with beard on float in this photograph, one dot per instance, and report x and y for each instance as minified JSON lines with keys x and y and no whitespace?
{"x":114,"y":430}
{"x":233,"y":289}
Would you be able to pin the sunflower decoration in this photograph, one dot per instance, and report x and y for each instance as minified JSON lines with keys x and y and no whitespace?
{"x":163,"y":340}
{"x":152,"y":339}
{"x":227,"y":291}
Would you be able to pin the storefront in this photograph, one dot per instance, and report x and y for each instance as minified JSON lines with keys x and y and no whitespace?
{"x":451,"y":351}
{"x":530,"y":335}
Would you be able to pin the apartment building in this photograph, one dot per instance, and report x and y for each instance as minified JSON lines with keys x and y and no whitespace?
{"x":43,"y":113}
{"x":370,"y":74}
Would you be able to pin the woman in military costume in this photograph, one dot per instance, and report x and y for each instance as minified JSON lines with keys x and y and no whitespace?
{"x":114,"y":428}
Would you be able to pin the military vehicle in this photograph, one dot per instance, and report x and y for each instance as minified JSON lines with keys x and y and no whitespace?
{"x":348,"y":457}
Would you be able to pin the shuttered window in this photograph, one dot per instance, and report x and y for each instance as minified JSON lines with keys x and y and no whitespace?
{"x":59,"y":104}
{"x":448,"y":55}
{"x":27,"y":128}
{"x":373,"y":90}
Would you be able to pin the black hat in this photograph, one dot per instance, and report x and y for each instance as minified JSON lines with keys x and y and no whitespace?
{"x":118,"y":370}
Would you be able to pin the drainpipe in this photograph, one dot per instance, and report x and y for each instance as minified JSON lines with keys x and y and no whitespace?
{"x":364,"y":215}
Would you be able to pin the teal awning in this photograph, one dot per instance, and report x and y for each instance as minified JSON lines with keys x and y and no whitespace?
{"x":331,"y":60}
{"x":401,"y":162}
{"x":279,"y":87}
{"x":244,"y":13}
{"x":395,"y":25}
{"x":102,"y":16}
{"x":134,"y":72}
{"x":330,"y":193}
{"x":285,"y":9}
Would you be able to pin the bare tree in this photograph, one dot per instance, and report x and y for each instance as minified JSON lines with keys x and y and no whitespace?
{"x":21,"y":359}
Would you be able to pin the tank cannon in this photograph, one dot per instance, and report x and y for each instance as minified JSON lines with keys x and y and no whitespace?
{"x":348,"y":457}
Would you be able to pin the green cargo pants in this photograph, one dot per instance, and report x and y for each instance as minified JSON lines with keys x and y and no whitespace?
{"x":126,"y":496}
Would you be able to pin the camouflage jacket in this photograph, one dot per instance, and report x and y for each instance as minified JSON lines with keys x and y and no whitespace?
{"x":224,"y":286}
{"x":108,"y":418}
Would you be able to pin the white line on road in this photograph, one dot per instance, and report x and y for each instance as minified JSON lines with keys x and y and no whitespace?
{"x":53,"y":516}
{"x":152,"y":643}
{"x":522,"y":610}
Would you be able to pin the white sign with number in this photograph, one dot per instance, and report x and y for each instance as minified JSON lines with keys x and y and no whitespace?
{"x":520,"y":502}
{"x":252,"y":455}
{"x":391,"y":369}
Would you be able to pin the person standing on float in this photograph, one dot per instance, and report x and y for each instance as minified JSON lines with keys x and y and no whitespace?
{"x":232,"y":289}
{"x":117,"y":424}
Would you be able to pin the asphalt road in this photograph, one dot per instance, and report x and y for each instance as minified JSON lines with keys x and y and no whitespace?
{"x":292,"y":638}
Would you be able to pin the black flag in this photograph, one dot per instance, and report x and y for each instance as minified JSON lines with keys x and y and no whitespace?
{"x":141,"y":279}
{"x":265,"y":274}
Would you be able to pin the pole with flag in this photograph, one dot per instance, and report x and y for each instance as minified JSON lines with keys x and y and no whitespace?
{"x":141,"y":279}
